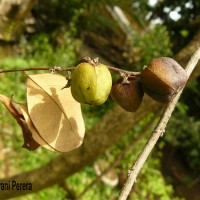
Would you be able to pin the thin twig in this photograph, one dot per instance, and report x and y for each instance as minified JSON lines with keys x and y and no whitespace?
{"x":159,"y":130}
{"x":54,"y":69}
{"x":60,"y":69}
{"x":130,"y":73}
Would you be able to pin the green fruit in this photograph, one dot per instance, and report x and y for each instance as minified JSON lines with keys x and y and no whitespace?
{"x":91,"y":84}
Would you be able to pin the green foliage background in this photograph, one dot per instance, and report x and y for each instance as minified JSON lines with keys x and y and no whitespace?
{"x":51,"y":46}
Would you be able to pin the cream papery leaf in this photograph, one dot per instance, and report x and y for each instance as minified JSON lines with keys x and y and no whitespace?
{"x":35,"y":133}
{"x":53,"y":111}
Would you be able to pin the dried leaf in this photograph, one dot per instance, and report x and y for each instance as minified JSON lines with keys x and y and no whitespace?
{"x":32,"y":128}
{"x":54,"y":113}
{"x":29,"y":142}
{"x":11,"y":108}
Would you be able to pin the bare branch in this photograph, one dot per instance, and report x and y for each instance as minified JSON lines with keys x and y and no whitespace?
{"x":60,"y":69}
{"x":123,"y":71}
{"x":159,"y":130}
{"x":53,"y":69}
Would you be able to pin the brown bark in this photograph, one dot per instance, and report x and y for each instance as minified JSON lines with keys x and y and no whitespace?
{"x":105,"y":133}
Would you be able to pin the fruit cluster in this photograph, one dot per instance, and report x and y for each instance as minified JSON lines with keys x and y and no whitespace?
{"x":161,"y":79}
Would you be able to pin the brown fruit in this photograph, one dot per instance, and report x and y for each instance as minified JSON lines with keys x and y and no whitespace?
{"x":163,"y":78}
{"x":128,"y":95}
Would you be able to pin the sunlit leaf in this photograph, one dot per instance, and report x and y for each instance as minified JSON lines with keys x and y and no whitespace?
{"x":32,"y":128}
{"x":55,"y":114}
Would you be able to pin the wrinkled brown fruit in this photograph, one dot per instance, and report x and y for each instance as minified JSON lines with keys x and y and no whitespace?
{"x":163,"y":78}
{"x":128,"y":95}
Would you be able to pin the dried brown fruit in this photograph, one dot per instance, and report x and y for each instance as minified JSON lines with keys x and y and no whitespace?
{"x":128,"y":95}
{"x":163,"y":78}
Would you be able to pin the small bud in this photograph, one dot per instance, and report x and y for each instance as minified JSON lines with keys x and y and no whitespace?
{"x":163,"y":78}
{"x":128,"y":95}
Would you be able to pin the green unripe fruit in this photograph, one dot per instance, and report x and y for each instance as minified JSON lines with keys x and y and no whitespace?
{"x":91,"y":84}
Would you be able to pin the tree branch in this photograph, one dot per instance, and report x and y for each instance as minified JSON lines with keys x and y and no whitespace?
{"x":159,"y":130}
{"x":60,"y":69}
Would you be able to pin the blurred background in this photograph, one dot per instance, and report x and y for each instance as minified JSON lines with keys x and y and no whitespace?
{"x":125,"y":34}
